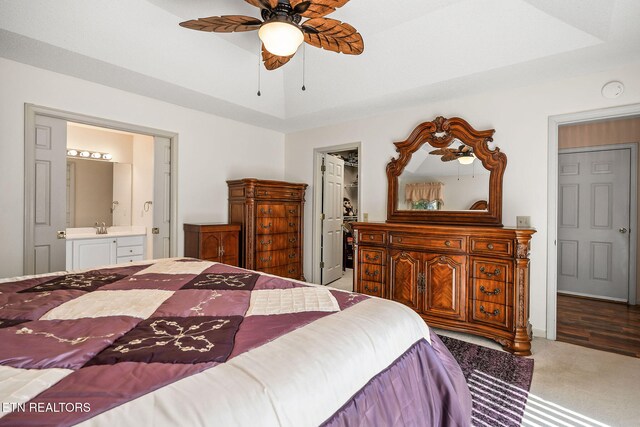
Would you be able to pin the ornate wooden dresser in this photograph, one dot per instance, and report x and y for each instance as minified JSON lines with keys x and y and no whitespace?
{"x":213,"y":242}
{"x":460,"y":268}
{"x":271,"y":215}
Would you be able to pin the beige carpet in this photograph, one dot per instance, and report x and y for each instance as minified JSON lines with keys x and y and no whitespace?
{"x":572,"y":385}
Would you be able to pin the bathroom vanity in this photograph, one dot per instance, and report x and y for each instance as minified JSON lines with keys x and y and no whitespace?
{"x":86,"y":249}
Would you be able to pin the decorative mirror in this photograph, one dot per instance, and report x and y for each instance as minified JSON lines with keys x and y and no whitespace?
{"x":447,"y":172}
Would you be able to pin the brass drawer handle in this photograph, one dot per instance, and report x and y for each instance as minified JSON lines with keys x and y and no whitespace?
{"x":483,"y":311}
{"x":268,"y":211}
{"x":293,"y":240}
{"x":266,"y":226}
{"x":264,"y":193}
{"x":292,"y":256}
{"x":367,"y":289}
{"x":292,"y":224}
{"x":489,"y":274}
{"x":490,"y":246}
{"x":369,"y":258}
{"x":371,"y":237}
{"x":266,"y":242}
{"x":292,"y":270}
{"x":292,"y":211}
{"x":266,"y":259}
{"x":496,"y":291}
{"x":374,"y":274}
{"x":447,"y":243}
{"x":399,"y":239}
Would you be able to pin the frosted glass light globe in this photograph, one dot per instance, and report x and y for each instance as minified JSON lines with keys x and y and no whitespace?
{"x":281,"y":38}
{"x":466,"y":160}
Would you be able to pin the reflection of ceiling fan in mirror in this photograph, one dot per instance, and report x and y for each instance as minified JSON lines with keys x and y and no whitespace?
{"x":281,"y":31}
{"x":463,"y":154}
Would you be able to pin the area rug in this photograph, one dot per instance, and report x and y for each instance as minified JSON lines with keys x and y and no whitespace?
{"x":499,"y":382}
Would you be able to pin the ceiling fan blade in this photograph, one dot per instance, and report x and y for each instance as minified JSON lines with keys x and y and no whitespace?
{"x":333,"y":35}
{"x":263,"y":4}
{"x":440,"y":151}
{"x":223,"y":24}
{"x":448,"y":157}
{"x":319,"y":8}
{"x":271,"y":61}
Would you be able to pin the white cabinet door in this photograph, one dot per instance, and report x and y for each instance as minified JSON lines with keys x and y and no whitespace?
{"x":89,"y":253}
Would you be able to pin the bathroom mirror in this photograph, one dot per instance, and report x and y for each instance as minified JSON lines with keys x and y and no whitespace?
{"x":98,"y":191}
{"x":446,"y":172}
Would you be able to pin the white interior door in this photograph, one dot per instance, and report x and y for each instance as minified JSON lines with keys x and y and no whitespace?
{"x":332,"y":193}
{"x":161,"y":197}
{"x":50,"y":201}
{"x":593,"y":223}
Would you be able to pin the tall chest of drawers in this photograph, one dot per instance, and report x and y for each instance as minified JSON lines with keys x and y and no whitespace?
{"x":271,"y":215}
{"x":465,"y":278}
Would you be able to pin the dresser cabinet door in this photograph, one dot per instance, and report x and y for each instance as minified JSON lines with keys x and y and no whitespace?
{"x":403,"y":278}
{"x":444,"y":294}
{"x":210,"y":246}
{"x":230,"y":247}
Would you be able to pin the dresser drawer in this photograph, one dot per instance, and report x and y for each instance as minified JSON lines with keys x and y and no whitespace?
{"x":278,"y":193}
{"x":276,"y":225}
{"x":372,"y":237}
{"x":274,"y":242}
{"x":493,"y":314}
{"x":428,"y":242}
{"x":291,"y":271}
{"x":129,"y":251}
{"x":127,"y":259}
{"x":502,"y":247}
{"x":264,"y":210}
{"x":371,"y":288}
{"x":276,"y":258}
{"x":492,"y":291}
{"x":371,"y":272}
{"x":292,"y":210}
{"x":491,"y":270}
{"x":131,"y":241}
{"x":372,"y":256}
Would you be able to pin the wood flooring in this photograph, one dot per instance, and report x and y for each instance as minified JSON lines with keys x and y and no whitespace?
{"x":602,"y":325}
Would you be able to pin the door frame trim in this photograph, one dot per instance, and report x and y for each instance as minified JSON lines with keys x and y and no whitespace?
{"x":554,"y":122}
{"x":30,"y":113}
{"x":316,"y":235}
{"x":633,"y":209}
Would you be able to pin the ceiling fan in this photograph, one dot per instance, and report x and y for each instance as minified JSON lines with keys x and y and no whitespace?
{"x":463,"y":153}
{"x":282,"y":32}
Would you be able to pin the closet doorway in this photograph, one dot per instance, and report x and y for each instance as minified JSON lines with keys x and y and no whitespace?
{"x":336,"y":205}
{"x":59,"y":148}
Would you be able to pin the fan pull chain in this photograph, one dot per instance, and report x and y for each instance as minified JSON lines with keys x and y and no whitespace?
{"x":259,"y":68}
{"x":304,"y":65}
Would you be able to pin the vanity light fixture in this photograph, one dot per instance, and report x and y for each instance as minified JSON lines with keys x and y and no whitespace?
{"x":95,"y":155}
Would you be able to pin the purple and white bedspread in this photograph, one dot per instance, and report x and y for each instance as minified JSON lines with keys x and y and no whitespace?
{"x":190,"y":343}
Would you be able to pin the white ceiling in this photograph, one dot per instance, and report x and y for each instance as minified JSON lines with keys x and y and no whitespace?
{"x":415,"y":51}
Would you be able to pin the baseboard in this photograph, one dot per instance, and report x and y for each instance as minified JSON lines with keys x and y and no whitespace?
{"x":540,"y":333}
{"x":598,"y":297}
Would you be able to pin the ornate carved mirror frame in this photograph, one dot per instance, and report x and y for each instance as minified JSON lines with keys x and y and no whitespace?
{"x":440,"y":133}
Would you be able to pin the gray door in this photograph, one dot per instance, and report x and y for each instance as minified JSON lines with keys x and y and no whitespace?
{"x":50,"y":198}
{"x":161,"y":197}
{"x":593,"y":223}
{"x":332,"y":194}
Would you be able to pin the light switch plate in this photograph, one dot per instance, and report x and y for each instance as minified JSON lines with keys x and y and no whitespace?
{"x":523,"y":221}
{"x":365,"y":217}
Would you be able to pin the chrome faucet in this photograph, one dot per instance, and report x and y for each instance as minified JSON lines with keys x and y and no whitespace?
{"x":100,"y":229}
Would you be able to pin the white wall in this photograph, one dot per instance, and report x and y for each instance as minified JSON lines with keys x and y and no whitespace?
{"x":142,"y":185}
{"x":211,"y":149}
{"x":116,"y":144}
{"x":520,"y":117}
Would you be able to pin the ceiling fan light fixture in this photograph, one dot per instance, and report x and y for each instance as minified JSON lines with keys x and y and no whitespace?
{"x":467,"y":159}
{"x":281,"y":38}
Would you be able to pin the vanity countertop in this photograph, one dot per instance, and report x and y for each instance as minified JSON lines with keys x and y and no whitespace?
{"x":115,"y":231}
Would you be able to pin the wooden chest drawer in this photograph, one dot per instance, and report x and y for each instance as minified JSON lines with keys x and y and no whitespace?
{"x":372,"y":237}
{"x":276,"y":225}
{"x":371,"y":272}
{"x":492,"y":291}
{"x":502,"y":247}
{"x":267,"y":210}
{"x":274,"y":242}
{"x":292,"y":210}
{"x":493,"y":314}
{"x":371,"y":288}
{"x":427,"y":242}
{"x":291,"y":271}
{"x":491,"y":270}
{"x":278,"y":193}
{"x":276,"y":258}
{"x":372,"y":256}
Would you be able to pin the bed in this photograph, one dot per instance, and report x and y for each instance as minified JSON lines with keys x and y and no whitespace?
{"x":187,"y":342}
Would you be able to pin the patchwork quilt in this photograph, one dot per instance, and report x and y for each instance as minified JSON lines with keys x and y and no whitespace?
{"x":190,"y":342}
